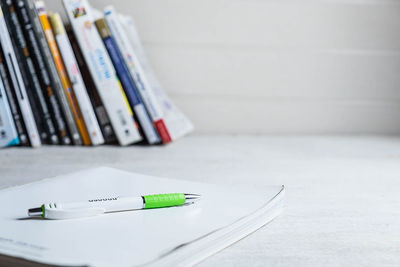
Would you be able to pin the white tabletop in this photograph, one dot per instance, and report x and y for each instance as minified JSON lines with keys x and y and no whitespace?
{"x":342,"y":201}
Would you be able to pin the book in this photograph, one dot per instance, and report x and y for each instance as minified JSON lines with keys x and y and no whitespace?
{"x":18,"y":44}
{"x":62,"y":72}
{"x":140,"y":79}
{"x":18,"y":83}
{"x":176,"y":236}
{"x":103,"y":72}
{"x":8,"y":132}
{"x":170,"y":121}
{"x":75,"y":76}
{"x":37,"y":71}
{"x":100,"y":110}
{"x":128,"y":84}
{"x":20,"y":28}
{"x":29,"y":10}
{"x":13,"y":101}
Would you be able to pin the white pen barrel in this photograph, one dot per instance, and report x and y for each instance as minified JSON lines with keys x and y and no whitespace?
{"x":108,"y":204}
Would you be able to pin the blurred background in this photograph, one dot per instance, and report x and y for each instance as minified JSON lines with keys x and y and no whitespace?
{"x":275,"y":66}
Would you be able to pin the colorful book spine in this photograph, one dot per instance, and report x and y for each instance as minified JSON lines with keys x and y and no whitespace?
{"x":138,"y":75}
{"x":62,"y":72}
{"x":175,"y":120}
{"x":13,"y":101}
{"x":29,"y":10}
{"x":75,"y":76}
{"x":8,"y":132}
{"x":100,"y":110}
{"x":103,"y":72}
{"x":28,"y":51}
{"x":127,"y":83}
{"x":18,"y":83}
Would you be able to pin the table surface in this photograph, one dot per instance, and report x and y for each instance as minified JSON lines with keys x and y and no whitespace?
{"x":342,"y":201}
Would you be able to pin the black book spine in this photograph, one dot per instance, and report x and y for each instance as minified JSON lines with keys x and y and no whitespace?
{"x":43,"y":75}
{"x":21,"y":55}
{"x":12,"y":101}
{"x":29,"y":14}
{"x":101,"y":114}
{"x":33,"y":75}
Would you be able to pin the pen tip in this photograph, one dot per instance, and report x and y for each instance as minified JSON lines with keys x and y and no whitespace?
{"x":192,"y":198}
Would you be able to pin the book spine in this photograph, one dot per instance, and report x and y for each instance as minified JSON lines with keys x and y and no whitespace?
{"x":8,"y":132}
{"x":128,"y":83}
{"x":33,"y":76}
{"x":16,"y":35}
{"x":103,"y":72}
{"x":12,"y":101}
{"x":23,"y":56}
{"x":138,"y":75}
{"x":76,"y":79}
{"x":18,"y":83}
{"x":62,"y":72}
{"x":38,"y":72}
{"x":100,"y":110}
{"x":177,"y":122}
{"x":29,"y":9}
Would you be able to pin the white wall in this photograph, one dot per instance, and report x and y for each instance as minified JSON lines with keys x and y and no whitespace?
{"x":276,"y":66}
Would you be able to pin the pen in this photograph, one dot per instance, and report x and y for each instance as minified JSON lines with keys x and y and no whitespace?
{"x":92,"y":207}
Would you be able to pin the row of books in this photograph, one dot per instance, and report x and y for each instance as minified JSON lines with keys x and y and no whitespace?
{"x":83,"y":82}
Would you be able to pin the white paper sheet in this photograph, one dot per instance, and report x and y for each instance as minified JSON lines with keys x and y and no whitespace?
{"x":159,"y":236}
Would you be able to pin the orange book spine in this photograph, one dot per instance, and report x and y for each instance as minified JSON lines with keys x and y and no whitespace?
{"x":73,"y":102}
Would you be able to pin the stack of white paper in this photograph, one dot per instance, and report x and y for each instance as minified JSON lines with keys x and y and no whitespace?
{"x":177,"y":236}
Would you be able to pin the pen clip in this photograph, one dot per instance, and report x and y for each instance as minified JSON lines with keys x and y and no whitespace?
{"x":60,"y":214}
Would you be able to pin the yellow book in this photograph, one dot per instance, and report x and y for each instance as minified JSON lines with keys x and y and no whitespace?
{"x":73,"y":102}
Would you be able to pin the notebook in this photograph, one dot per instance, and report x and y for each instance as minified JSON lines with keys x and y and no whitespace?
{"x":176,"y":236}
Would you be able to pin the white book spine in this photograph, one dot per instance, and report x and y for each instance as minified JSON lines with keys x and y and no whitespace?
{"x":175,"y":120}
{"x":103,"y":72}
{"x":75,"y":77}
{"x":18,"y":83}
{"x":8,"y":132}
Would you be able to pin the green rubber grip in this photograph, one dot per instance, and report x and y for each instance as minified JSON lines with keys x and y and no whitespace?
{"x":164,"y":200}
